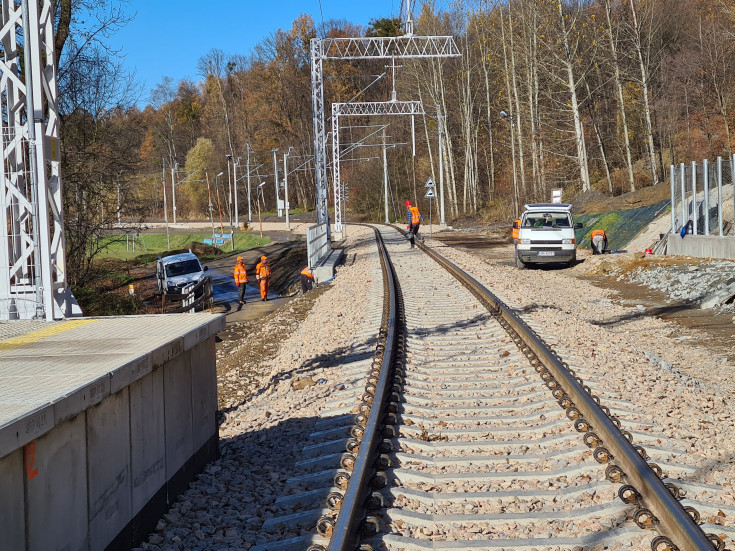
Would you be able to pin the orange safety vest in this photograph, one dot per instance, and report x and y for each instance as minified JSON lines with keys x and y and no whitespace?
{"x":597,"y":232}
{"x":262,"y":271}
{"x":516,"y":227}
{"x":415,"y":215}
{"x":241,"y":275}
{"x":307,"y":272}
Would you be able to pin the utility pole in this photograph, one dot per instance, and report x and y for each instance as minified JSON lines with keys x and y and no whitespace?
{"x":442,"y":220}
{"x":173,"y":188}
{"x":247,"y":166}
{"x":275,"y":174}
{"x":211,"y":207}
{"x":285,"y":187}
{"x":165,"y":207}
{"x":385,"y":178}
{"x":229,"y":186}
{"x":119,"y":214}
{"x":234,"y":171}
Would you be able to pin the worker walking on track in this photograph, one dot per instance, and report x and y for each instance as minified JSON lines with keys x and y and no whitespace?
{"x":414,"y":222}
{"x":598,"y":241}
{"x":241,"y":280}
{"x":263,"y":275}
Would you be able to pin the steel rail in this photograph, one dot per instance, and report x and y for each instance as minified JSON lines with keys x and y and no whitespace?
{"x":345,"y":534}
{"x":672,"y":520}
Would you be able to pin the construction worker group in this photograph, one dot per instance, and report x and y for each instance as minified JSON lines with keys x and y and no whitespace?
{"x":262,"y":276}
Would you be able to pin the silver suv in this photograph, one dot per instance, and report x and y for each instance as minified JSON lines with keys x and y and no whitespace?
{"x":178,"y":271}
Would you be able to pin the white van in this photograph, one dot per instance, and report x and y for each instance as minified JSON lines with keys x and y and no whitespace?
{"x":546,"y":235}
{"x":178,"y":271}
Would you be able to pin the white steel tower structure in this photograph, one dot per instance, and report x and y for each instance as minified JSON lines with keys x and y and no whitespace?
{"x":32,"y":265}
{"x":390,"y":47}
{"x":360,"y":109}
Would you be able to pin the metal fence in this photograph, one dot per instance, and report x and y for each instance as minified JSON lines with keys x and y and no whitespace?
{"x":317,"y":244}
{"x":698,"y":196}
{"x":192,"y":298}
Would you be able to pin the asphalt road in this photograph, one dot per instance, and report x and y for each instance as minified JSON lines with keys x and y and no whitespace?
{"x":223,"y":285}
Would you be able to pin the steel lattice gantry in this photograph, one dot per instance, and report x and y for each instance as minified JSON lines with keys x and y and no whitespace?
{"x":360,"y":109}
{"x":407,"y":46}
{"x":32,"y":264}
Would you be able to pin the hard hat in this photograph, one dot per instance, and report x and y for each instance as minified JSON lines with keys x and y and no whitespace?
{"x":408,"y":203}
{"x":239,"y":258}
{"x":264,"y":258}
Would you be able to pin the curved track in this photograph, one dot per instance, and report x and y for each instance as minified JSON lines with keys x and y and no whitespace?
{"x":473,"y":434}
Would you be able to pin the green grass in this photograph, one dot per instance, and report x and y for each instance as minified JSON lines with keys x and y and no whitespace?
{"x":154,"y":244}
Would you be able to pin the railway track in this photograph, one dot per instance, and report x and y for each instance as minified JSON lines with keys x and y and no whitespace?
{"x":472,"y":433}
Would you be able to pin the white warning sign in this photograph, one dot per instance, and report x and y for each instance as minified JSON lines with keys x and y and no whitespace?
{"x":430,"y":193}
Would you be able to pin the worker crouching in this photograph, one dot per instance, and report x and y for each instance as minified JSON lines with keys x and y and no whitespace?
{"x":598,"y":241}
{"x":307,"y":280}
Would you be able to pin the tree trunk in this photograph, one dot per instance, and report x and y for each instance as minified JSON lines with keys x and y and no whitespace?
{"x":517,"y":105}
{"x":488,"y":103}
{"x":646,"y":102}
{"x":621,"y":99}
{"x":572,"y":86}
{"x":516,"y":198}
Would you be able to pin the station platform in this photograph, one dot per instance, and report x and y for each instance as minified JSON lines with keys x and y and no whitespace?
{"x":102,"y":422}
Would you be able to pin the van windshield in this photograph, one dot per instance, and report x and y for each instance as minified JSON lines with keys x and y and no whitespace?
{"x":547,"y":220}
{"x":182,"y":268}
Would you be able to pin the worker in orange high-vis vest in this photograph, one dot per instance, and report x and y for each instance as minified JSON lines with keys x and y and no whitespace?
{"x":414,"y":222}
{"x":598,"y":242}
{"x":263,"y":275}
{"x":307,"y":280}
{"x":516,"y":228}
{"x":241,"y":279}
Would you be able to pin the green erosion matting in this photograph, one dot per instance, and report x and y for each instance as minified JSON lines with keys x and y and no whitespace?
{"x":620,"y":226}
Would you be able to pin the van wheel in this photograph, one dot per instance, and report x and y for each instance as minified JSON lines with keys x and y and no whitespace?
{"x":520,"y":264}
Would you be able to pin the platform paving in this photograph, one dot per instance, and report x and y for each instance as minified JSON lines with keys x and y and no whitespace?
{"x":50,"y":372}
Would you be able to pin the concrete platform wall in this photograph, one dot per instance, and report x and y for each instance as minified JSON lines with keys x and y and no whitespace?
{"x":327,"y":268}
{"x":701,"y":246}
{"x":101,"y":478}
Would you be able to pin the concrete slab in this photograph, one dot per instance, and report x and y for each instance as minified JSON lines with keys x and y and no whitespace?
{"x":57,"y":493}
{"x":12,"y":508}
{"x":204,"y":395}
{"x":326,"y":269}
{"x":147,"y":438}
{"x":177,"y":381}
{"x":701,"y":246}
{"x":108,"y":467}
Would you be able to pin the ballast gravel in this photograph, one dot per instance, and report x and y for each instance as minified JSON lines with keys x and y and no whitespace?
{"x":261,"y":436}
{"x":683,"y":391}
{"x":679,"y":391}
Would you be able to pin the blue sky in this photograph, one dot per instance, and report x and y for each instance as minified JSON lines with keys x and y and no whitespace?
{"x":167,"y":37}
